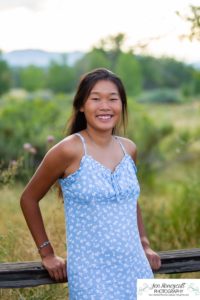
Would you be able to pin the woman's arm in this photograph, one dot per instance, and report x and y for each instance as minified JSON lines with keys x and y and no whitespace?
{"x":153,"y":257}
{"x":142,"y":232}
{"x":50,"y":169}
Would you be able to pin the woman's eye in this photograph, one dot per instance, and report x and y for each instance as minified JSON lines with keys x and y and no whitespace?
{"x":95,"y":99}
{"x":113,"y":99}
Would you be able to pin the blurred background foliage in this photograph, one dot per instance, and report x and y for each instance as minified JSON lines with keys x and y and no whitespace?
{"x":36,"y":102}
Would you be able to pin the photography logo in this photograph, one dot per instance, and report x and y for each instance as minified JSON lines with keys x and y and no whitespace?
{"x":168,"y":288}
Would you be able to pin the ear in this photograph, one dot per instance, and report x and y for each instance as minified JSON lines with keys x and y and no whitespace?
{"x":81,"y":109}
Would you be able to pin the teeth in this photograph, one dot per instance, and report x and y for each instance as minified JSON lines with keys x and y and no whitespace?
{"x":104,"y":117}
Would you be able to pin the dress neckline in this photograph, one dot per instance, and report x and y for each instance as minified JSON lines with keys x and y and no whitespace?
{"x":97,"y":163}
{"x":106,"y":168}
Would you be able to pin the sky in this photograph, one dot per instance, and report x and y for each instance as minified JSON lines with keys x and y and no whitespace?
{"x":78,"y":25}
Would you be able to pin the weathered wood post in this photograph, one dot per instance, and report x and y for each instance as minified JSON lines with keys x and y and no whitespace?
{"x":30,"y":274}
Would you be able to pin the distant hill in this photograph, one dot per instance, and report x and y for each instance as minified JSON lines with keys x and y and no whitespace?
{"x":23,"y":58}
{"x":196,"y":65}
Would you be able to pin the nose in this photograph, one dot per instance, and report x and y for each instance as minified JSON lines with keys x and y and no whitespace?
{"x":104,"y":105}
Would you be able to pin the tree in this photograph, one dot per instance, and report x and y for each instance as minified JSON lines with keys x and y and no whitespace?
{"x":96,"y":58}
{"x":194,"y":21}
{"x":32,"y":78}
{"x":112,"y":47}
{"x":164,"y":72}
{"x":128,"y":68}
{"x":104,"y":54}
{"x":61,"y":77}
{"x":151,"y":72}
{"x":5,"y":76}
{"x":196,"y":82}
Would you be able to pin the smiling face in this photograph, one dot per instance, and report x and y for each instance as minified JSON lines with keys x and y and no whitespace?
{"x":103,"y":107}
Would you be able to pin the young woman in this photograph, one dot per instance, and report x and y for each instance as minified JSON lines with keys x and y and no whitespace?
{"x":107,"y":247}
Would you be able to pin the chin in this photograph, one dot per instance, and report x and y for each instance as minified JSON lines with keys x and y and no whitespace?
{"x":105,"y":128}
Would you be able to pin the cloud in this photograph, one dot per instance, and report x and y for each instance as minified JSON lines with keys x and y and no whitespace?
{"x":34,"y":5}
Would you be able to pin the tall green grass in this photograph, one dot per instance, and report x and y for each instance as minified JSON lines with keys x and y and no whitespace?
{"x":16,"y":243}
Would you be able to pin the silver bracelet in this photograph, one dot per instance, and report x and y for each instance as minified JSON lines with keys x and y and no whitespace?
{"x":46,"y":243}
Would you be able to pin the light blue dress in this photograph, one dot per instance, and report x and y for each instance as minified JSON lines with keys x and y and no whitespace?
{"x":104,"y":252}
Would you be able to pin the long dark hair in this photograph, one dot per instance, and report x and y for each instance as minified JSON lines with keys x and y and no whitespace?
{"x":77,"y":121}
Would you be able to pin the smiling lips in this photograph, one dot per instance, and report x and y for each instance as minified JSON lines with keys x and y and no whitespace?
{"x":104,"y":117}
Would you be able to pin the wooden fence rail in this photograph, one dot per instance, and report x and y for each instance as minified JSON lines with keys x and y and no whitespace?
{"x":30,"y":274}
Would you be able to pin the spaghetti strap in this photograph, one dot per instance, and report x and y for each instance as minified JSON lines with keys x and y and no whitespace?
{"x":124,"y":150}
{"x":83,"y":142}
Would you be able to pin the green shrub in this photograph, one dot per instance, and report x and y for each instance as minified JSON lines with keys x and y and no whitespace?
{"x":161,"y":96}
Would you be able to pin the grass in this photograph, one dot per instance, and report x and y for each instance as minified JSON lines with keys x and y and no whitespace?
{"x":181,"y":116}
{"x":16,"y":243}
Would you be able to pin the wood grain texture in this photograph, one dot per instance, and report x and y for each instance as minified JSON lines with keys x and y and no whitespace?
{"x":30,"y":274}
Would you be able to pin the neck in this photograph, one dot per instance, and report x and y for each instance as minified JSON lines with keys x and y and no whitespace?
{"x":99,"y":138}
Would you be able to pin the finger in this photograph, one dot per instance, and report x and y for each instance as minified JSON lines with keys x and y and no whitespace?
{"x":150,"y":259}
{"x":60,"y":272}
{"x":51,"y":274}
{"x":56,"y":275}
{"x":159,"y":263}
{"x":152,"y":263}
{"x":155,"y":266}
{"x":156,"y":263}
{"x":64,"y":271}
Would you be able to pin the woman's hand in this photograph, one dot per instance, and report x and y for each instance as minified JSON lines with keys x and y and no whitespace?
{"x":153,"y":258}
{"x":56,"y":266}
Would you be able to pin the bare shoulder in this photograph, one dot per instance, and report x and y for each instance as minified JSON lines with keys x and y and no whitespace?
{"x":130,"y":147}
{"x":66,"y":150}
{"x":52,"y":167}
{"x":60,"y":156}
